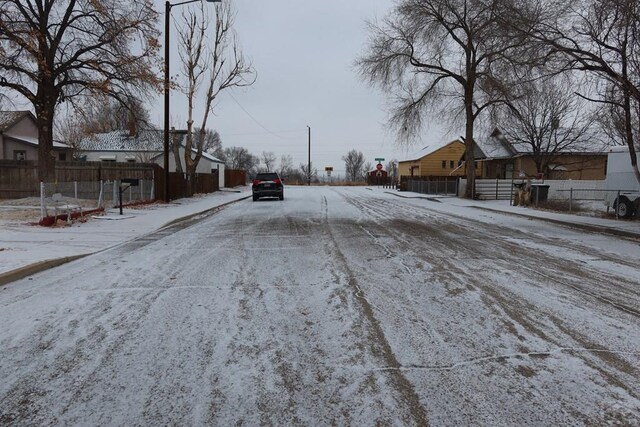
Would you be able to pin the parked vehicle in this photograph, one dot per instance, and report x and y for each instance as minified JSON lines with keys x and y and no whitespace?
{"x":623,"y":189}
{"x":267,"y":184}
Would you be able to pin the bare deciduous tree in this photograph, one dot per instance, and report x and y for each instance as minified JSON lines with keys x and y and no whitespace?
{"x":353,"y":165}
{"x":612,"y":119}
{"x":216,"y":60}
{"x":438,"y":54}
{"x":104,"y":114}
{"x":598,"y":37}
{"x":213,"y":143}
{"x":545,"y":117}
{"x":364,"y":173}
{"x":286,"y":166}
{"x":240,"y":158}
{"x":269,"y":160}
{"x":310,"y":174}
{"x":55,"y":51}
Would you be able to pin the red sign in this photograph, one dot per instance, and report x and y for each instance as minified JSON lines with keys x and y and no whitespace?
{"x":379,"y":166}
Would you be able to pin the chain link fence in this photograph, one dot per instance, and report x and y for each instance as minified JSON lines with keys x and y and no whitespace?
{"x":67,"y":198}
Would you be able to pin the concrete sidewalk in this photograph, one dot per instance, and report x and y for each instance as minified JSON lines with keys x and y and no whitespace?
{"x":623,"y":228}
{"x":26,"y":249}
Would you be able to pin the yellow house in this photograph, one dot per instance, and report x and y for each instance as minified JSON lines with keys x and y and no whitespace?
{"x":505,"y":160}
{"x":438,"y":161}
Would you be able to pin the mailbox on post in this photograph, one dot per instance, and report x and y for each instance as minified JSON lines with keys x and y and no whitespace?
{"x":124,"y":184}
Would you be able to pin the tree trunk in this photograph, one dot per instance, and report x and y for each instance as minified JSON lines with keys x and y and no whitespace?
{"x":44,"y":119}
{"x":175,"y":149}
{"x":470,"y":161}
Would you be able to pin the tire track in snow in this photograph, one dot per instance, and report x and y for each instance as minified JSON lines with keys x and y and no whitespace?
{"x":606,"y":360}
{"x":487,"y":232}
{"x":379,"y":343}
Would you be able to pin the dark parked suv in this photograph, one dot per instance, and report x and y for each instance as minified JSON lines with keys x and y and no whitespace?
{"x":267,"y":184}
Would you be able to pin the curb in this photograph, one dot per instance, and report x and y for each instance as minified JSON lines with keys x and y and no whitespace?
{"x":28,"y":270}
{"x":587,"y":227}
{"x":431,"y":199}
{"x":206,"y":211}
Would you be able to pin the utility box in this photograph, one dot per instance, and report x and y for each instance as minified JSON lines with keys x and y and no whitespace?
{"x":539,"y":193}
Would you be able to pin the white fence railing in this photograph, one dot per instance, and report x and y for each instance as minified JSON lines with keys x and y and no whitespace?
{"x":501,"y":189}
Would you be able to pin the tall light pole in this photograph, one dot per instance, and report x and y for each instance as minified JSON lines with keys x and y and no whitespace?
{"x":167,"y":28}
{"x":309,"y":162}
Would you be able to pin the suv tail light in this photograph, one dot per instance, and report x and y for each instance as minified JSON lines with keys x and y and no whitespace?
{"x":277,"y":181}
{"x":256,"y":181}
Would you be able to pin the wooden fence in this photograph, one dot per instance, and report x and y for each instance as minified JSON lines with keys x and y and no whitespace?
{"x":19,"y":179}
{"x":180,"y":185}
{"x":234,"y":177}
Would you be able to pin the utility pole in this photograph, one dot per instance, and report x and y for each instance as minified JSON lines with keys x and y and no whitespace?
{"x":167,"y":28}
{"x":309,"y":162}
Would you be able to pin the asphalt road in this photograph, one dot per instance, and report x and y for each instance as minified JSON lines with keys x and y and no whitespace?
{"x":337,"y":306}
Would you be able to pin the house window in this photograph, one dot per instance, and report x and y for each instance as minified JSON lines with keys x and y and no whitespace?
{"x":444,"y":164}
{"x":19,"y":155}
{"x":451,"y":164}
{"x":62,"y":157}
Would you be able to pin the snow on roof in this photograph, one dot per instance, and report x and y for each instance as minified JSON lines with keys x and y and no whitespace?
{"x":10,"y":118}
{"x":493,"y":148}
{"x":425,"y":151}
{"x":497,"y":146}
{"x":144,"y":140}
{"x":210,"y":157}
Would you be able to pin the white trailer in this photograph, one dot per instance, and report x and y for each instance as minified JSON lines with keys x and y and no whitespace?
{"x":623,"y":189}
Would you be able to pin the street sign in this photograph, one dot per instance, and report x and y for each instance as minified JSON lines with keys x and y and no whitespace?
{"x":379,"y":173}
{"x":379,"y":159}
{"x":379,"y":166}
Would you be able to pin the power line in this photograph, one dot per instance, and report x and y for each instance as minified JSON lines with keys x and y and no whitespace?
{"x":254,"y":119}
{"x":262,"y":133}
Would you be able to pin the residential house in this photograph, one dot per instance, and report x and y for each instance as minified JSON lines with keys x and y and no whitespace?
{"x":19,"y":138}
{"x":144,"y":146}
{"x":505,"y":160}
{"x":437,"y":161}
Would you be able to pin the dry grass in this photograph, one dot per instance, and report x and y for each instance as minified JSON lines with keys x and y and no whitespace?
{"x":560,"y":206}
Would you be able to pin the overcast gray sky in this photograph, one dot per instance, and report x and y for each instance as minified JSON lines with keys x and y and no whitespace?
{"x":303,"y":52}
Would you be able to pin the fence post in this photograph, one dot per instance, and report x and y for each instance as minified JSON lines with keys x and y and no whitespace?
{"x":75,"y":189}
{"x":537,"y":195}
{"x":511,"y":191}
{"x":43,"y":209}
{"x":571,"y":200}
{"x":496,"y":188}
{"x":152,"y":195}
{"x":617,"y":203}
{"x":101,"y":195}
{"x":115,"y":192}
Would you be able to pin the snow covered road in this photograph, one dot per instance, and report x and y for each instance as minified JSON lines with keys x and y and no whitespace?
{"x":337,"y":306}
